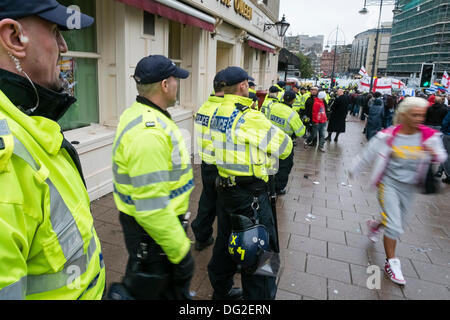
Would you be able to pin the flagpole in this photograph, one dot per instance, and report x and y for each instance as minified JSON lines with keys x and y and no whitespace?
{"x":376,"y":48}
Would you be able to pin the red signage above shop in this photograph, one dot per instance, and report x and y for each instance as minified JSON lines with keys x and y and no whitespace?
{"x":255,"y":45}
{"x":169,"y":13}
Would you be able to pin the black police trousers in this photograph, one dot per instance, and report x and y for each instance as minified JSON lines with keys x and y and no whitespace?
{"x":202,"y":225}
{"x":156,"y":263}
{"x":282,"y":176}
{"x":221,"y":268}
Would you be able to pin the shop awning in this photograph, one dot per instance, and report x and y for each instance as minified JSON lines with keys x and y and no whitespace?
{"x":176,"y":11}
{"x":259,"y":44}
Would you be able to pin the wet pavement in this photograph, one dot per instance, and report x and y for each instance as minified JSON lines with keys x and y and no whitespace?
{"x":323,"y":234}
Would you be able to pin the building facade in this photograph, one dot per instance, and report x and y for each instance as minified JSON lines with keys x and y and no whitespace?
{"x":314,"y":57}
{"x":310,"y":46}
{"x":326,"y":63}
{"x":363,"y":47}
{"x":201,"y":36}
{"x":420,"y":33}
{"x":343,"y":59}
{"x":304,"y":43}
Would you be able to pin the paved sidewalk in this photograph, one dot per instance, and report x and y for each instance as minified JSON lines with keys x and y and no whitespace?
{"x":321,"y":220}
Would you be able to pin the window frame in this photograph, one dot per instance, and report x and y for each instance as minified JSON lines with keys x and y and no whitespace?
{"x":93,"y":56}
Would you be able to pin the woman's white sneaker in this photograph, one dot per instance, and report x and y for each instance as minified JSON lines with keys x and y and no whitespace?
{"x":392,"y":268}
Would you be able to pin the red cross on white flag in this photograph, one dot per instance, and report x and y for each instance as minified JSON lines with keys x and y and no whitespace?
{"x":445,"y":80}
{"x":398,"y":84}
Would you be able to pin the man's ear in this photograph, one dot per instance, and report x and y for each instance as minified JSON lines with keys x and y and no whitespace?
{"x":243,"y":86}
{"x":164,"y":85}
{"x":10,"y":38}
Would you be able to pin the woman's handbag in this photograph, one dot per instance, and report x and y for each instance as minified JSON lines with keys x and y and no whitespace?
{"x":431,"y":183}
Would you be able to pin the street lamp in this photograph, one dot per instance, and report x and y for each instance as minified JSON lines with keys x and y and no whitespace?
{"x":281,"y":26}
{"x":335,"y":50}
{"x":364,"y":11}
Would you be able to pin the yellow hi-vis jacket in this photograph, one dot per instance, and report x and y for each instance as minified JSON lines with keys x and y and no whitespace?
{"x":265,"y":108}
{"x":48,"y":245}
{"x":245,"y":142}
{"x":152,"y":176}
{"x":202,"y":128}
{"x":285,"y":118}
{"x":297,"y":103}
{"x":280,"y":93}
{"x":304,"y":97}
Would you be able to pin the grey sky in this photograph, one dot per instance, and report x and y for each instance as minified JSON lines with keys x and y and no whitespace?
{"x":321,"y":17}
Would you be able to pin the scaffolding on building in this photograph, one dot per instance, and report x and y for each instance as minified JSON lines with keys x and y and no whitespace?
{"x":420,"y":33}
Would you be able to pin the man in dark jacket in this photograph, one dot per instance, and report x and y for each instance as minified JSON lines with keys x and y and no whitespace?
{"x":375,"y":119}
{"x":389,"y":109}
{"x":308,"y":110}
{"x":338,"y":115}
{"x":436,"y":114}
{"x":310,"y":101}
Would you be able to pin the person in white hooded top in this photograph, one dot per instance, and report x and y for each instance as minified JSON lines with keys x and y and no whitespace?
{"x":401,"y":155}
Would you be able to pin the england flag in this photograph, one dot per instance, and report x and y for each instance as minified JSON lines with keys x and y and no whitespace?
{"x":445,"y":81}
{"x":363,"y":72}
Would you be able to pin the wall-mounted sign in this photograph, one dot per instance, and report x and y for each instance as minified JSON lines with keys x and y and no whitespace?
{"x":225,"y":2}
{"x":240,"y":7}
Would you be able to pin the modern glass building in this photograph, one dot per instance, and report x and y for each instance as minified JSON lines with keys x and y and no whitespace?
{"x":420,"y":33}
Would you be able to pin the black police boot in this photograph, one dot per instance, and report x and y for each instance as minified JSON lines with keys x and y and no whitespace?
{"x":233,"y":294}
{"x":281,"y":192}
{"x":200,"y":245}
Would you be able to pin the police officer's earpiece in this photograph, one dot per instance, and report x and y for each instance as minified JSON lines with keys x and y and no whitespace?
{"x":24,"y":39}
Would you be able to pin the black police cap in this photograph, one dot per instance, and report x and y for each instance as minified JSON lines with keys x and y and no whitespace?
{"x":274,"y":89}
{"x":251,"y":84}
{"x":281,"y":84}
{"x":289,"y":96}
{"x":50,"y":10}
{"x":219,"y":81}
{"x":235,"y":75}
{"x":155,"y":68}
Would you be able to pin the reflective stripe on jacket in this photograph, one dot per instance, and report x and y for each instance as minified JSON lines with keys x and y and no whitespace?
{"x":245,"y":142}
{"x":202,"y":129}
{"x":48,"y":245}
{"x":297,"y":103}
{"x":153,"y":177}
{"x":265,"y":108}
{"x":286,"y":119}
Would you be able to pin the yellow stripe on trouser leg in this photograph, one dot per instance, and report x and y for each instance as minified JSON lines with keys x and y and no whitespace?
{"x":381,"y":200}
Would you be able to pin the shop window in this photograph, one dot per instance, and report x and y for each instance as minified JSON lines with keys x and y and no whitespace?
{"x":79,"y":71}
{"x":149,"y":23}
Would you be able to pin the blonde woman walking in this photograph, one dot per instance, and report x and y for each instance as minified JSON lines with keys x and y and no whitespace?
{"x":401,"y":155}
